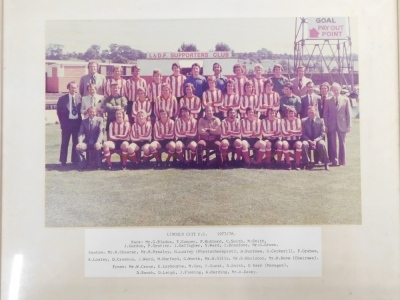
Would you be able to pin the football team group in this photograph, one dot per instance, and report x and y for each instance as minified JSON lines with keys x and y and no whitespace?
{"x":196,"y":121}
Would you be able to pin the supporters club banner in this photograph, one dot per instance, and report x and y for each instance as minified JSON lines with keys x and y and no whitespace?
{"x":189,"y":55}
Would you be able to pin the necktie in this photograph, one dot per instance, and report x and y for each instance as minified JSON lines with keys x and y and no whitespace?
{"x":93,"y":79}
{"x":312,"y":129}
{"x":74,"y":109}
{"x":337,"y":102}
{"x":92,"y":101}
{"x":310,"y":99}
{"x":300,"y":84}
{"x":91,"y":141}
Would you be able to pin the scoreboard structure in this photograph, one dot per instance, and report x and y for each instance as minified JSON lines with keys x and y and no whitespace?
{"x":323,"y":45}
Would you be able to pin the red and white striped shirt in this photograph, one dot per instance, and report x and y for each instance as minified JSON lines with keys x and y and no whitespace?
{"x":169,"y":104}
{"x":132,"y":86}
{"x":248,"y":101}
{"x":258,"y":84}
{"x":271,"y":129}
{"x":230,"y":129}
{"x":140,"y":132}
{"x":250,"y":128}
{"x":230,"y":101}
{"x":141,"y":105}
{"x":121,"y":87}
{"x":185,"y":128}
{"x":194,"y":104}
{"x":294,"y":125}
{"x":164,"y":131}
{"x":176,"y":83}
{"x":154,"y":91}
{"x":271,"y":100}
{"x":239,"y":85}
{"x":118,"y":132}
{"x":214,"y":97}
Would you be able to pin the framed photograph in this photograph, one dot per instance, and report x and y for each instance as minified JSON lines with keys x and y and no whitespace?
{"x":262,"y":193}
{"x":49,"y":212}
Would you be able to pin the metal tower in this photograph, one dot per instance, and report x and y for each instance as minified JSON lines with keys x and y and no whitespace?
{"x":324,"y":47}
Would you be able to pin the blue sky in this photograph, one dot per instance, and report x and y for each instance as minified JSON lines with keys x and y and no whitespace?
{"x":242,"y":35}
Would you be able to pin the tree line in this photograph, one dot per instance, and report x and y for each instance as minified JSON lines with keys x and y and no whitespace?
{"x":121,"y":54}
{"x":126,"y":54}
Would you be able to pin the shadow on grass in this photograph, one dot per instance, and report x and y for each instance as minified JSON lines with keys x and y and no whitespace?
{"x":68,"y":168}
{"x":58,"y":167}
{"x":117,"y":167}
{"x":152,"y":166}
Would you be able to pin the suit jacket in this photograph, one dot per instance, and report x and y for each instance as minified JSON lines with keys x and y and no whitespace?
{"x":319,"y":129}
{"x":304,"y":104}
{"x":337,"y":116}
{"x":95,"y":134}
{"x":85,"y":81}
{"x":87,"y":102}
{"x":321,"y":105}
{"x":63,"y":109}
{"x":303,"y":90}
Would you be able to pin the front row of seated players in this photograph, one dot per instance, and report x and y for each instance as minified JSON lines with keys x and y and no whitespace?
{"x":240,"y":134}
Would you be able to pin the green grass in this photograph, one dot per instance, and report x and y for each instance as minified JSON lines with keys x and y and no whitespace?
{"x":174,"y":197}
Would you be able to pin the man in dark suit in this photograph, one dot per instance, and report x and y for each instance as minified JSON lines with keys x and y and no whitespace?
{"x":309,"y":99}
{"x":92,"y":78}
{"x":90,"y":137}
{"x":313,"y":138}
{"x":68,"y":112}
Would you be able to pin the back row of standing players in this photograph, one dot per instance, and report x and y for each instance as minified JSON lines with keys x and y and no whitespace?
{"x":217,"y":90}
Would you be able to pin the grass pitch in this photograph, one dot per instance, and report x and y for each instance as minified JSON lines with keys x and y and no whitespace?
{"x":175,"y":197}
